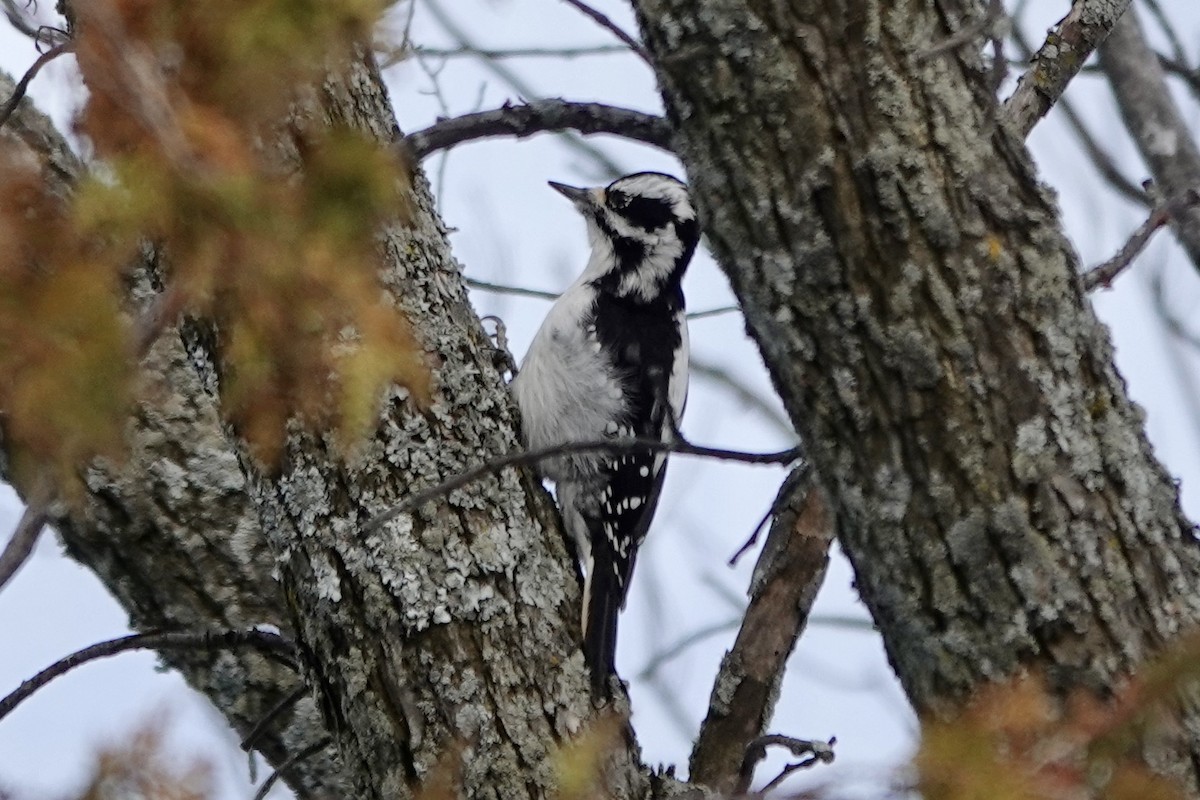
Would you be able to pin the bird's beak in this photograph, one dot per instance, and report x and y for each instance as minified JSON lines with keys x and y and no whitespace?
{"x":582,"y":198}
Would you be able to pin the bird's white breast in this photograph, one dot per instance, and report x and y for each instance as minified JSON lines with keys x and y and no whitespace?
{"x":565,"y":387}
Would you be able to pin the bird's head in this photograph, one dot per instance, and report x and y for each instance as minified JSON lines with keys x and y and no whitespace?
{"x":643,"y":231}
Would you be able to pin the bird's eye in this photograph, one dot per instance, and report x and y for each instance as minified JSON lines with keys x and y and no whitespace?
{"x":618,"y":200}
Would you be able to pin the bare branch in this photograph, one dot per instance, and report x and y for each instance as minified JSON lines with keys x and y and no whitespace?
{"x":1059,"y":59}
{"x":681,"y":646}
{"x":23,"y":85}
{"x":300,"y":755}
{"x":1155,"y":122}
{"x":810,"y":752}
{"x":1175,"y":324}
{"x":1179,"y":53}
{"x":269,"y":643}
{"x":613,"y":28}
{"x":523,"y":52}
{"x":517,"y":291}
{"x":986,"y":26}
{"x":1104,"y":274}
{"x":719,"y":311}
{"x":539,"y":294}
{"x":1101,"y":160}
{"x":520,"y":87}
{"x":615,"y":445}
{"x":785,"y":583}
{"x":18,"y":19}
{"x":1181,"y":69}
{"x":260,"y":727}
{"x":20,"y":546}
{"x":541,"y":116}
{"x":719,"y":375}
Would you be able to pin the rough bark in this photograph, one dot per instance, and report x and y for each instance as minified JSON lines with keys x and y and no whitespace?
{"x":453,"y":626}
{"x":1059,"y":60}
{"x":447,"y":639}
{"x":918,"y":307}
{"x":171,"y":532}
{"x":1154,"y":120}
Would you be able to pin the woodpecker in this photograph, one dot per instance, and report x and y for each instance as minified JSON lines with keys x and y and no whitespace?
{"x":611,"y":360}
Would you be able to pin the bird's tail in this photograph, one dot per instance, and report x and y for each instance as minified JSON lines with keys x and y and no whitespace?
{"x":603,"y":599}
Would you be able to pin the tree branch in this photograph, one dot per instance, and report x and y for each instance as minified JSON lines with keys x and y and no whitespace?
{"x":1154,"y":121}
{"x":16,"y":18}
{"x":1104,"y":274}
{"x":519,"y":86}
{"x":810,"y":752}
{"x":785,"y":583}
{"x":23,"y":85}
{"x":1101,"y":160}
{"x":541,"y":116}
{"x":520,"y":52}
{"x":20,"y":546}
{"x":611,"y":27}
{"x":269,"y":643}
{"x":1059,"y":59}
{"x":616,"y":445}
{"x":298,"y":757}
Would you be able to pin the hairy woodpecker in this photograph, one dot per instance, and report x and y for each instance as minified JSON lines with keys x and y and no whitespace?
{"x":611,"y":360}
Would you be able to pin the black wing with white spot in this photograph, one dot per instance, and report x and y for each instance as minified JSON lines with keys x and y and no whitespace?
{"x":649,"y":345}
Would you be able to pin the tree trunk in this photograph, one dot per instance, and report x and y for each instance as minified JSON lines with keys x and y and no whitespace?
{"x":444,"y":642}
{"x":917,"y":305}
{"x":453,"y":626}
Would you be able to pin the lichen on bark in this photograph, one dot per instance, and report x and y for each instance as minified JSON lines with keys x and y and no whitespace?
{"x":917,"y":304}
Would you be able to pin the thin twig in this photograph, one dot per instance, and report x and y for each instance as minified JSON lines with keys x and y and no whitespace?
{"x":269,"y":643}
{"x":719,"y":311}
{"x":1175,"y":324}
{"x":679,"y":647}
{"x":1168,"y":30}
{"x":523,"y":52}
{"x":1106,"y":273}
{"x":611,"y":27}
{"x":614,"y":446}
{"x":722,"y":377}
{"x":540,"y":116}
{"x":292,"y":761}
{"x":1100,"y":158}
{"x":1181,"y":69}
{"x":984,"y":27}
{"x":21,"y":545}
{"x":518,"y":291}
{"x":752,"y":539}
{"x":23,"y":85}
{"x":539,"y":294}
{"x":810,"y":751}
{"x":261,"y":726}
{"x":19,"y":21}
{"x":1059,"y":59}
{"x":1153,"y":118}
{"x":520,"y":88}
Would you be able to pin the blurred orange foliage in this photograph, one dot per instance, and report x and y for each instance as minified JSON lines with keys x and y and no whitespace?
{"x":1020,"y":741}
{"x":187,"y":111}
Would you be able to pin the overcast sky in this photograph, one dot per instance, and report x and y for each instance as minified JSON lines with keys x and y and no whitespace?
{"x":510,"y":228}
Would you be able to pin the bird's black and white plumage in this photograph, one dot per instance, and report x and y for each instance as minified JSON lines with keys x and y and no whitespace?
{"x":610,"y":358}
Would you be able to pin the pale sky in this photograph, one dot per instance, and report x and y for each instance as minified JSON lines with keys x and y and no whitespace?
{"x":510,"y":228}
